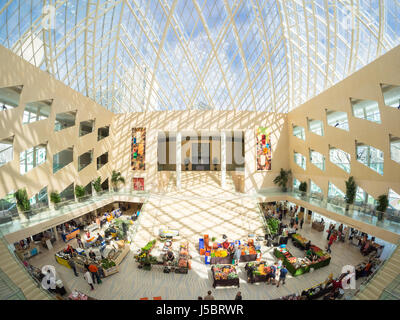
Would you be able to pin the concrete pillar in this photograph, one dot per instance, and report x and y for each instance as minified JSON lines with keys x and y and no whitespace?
{"x":151,"y":177}
{"x":223,"y":159}
{"x":55,"y":233}
{"x":250,"y":184}
{"x":178,"y":159}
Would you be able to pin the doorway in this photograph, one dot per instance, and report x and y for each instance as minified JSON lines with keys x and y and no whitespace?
{"x":201,"y":156}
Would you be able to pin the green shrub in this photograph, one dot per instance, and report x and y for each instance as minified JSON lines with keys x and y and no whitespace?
{"x":22,"y":200}
{"x":55,"y":197}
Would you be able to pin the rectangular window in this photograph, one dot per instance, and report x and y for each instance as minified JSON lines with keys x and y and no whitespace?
{"x":299,"y":132}
{"x":86,"y":127}
{"x":366,"y":109}
{"x":317,"y":159}
{"x":68,"y":193}
{"x":36,"y":111}
{"x":85,"y":159}
{"x":103,"y":132}
{"x":8,"y":207}
{"x":62,"y":159}
{"x":6,"y":150}
{"x":9,"y":97}
{"x":102,"y":160}
{"x":391,"y":95}
{"x":32,"y":158}
{"x":340,"y":158}
{"x":300,"y":160}
{"x":64,"y":120}
{"x":337,"y":119}
{"x":395,"y":149}
{"x":334,"y":192}
{"x":315,"y":189}
{"x":394,"y":200}
{"x":316,"y":126}
{"x":370,"y":156}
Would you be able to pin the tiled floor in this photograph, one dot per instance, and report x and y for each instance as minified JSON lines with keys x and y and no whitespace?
{"x":193,"y":213}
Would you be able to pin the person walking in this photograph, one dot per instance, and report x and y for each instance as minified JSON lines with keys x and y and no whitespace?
{"x":71,"y":263}
{"x":95,"y":273}
{"x":79,"y":241}
{"x":238,"y":296}
{"x":331,"y":239}
{"x":209,"y":296}
{"x":282,"y":276}
{"x":89,"y":279}
{"x":301,"y":223}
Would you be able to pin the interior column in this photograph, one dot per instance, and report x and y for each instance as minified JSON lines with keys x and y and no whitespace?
{"x":223,"y":159}
{"x":178,"y":159}
{"x":250,"y":161}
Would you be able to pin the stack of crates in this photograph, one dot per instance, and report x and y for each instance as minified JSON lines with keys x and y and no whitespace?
{"x":201,"y":247}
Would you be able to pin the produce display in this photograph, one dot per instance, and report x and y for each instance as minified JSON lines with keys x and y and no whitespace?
{"x":257,"y":271}
{"x":183,"y":261}
{"x":297,"y":266}
{"x":107,"y":264}
{"x":273,"y":225}
{"x":225,"y":275}
{"x":144,"y":258}
{"x":219,"y":253}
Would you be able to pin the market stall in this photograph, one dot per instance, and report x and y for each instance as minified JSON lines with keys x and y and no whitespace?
{"x":224,"y":276}
{"x":26,"y":251}
{"x":298,"y":266}
{"x":257,"y":271}
{"x":67,"y":236}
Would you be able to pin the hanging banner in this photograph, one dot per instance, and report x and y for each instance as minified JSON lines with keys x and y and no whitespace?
{"x":264,"y":154}
{"x":138,"y":149}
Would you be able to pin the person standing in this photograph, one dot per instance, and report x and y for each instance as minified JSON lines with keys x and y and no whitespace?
{"x":301,"y":223}
{"x":237,"y":253}
{"x":297,"y":219}
{"x":272,"y":273}
{"x":89,"y":279}
{"x":79,"y":241}
{"x":209,"y":296}
{"x":329,"y":231}
{"x":71,"y":263}
{"x":331,"y":239}
{"x":282,"y":276}
{"x":95,"y":273}
{"x":238,"y":296}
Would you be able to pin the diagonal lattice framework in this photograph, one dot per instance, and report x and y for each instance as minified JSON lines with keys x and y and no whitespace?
{"x":155,"y":55}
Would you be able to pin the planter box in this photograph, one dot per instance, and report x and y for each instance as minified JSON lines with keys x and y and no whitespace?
{"x":121,"y":255}
{"x":110,"y":271}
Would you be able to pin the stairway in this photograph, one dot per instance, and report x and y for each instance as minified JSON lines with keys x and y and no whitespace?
{"x":385,"y":275}
{"x":19,"y":276}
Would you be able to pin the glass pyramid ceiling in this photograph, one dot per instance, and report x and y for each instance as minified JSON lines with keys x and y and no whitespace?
{"x":155,"y":55}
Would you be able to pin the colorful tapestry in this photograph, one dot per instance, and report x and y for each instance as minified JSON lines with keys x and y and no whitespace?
{"x":138,"y":149}
{"x":263,"y":149}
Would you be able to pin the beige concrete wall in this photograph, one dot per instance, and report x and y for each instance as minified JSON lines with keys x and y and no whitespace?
{"x":39,"y":85}
{"x":200,"y":120}
{"x":365,"y":84}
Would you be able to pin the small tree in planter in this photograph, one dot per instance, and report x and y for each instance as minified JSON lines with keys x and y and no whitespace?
{"x":23,"y":204}
{"x":303,"y":188}
{"x":383,"y":203}
{"x":116,"y":178}
{"x":282,"y":179}
{"x":215,"y":163}
{"x":79,"y":191}
{"x":186,"y":163}
{"x":55,"y":198}
{"x":351,"y":190}
{"x":97,"y":185}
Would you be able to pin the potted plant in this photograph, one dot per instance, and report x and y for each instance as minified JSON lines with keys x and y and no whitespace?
{"x":117,"y":178}
{"x":23,"y":204}
{"x":186,"y":162}
{"x":283,"y":178}
{"x":97,"y":185}
{"x":383,"y":202}
{"x":55,"y":198}
{"x":303,"y":188}
{"x":215,"y":163}
{"x":351,"y":190}
{"x":79,"y":191}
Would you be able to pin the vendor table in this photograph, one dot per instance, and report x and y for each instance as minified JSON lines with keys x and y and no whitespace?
{"x":248,"y":258}
{"x":220,"y":260}
{"x":224,"y":282}
{"x":318,"y":226}
{"x":70,"y":235}
{"x":253,"y":278}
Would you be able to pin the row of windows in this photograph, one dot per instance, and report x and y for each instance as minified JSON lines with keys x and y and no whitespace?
{"x":362,"y":109}
{"x":362,"y":197}
{"x":367,"y":155}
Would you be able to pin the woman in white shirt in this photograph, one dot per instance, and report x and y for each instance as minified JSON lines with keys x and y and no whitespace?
{"x":89,"y":279}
